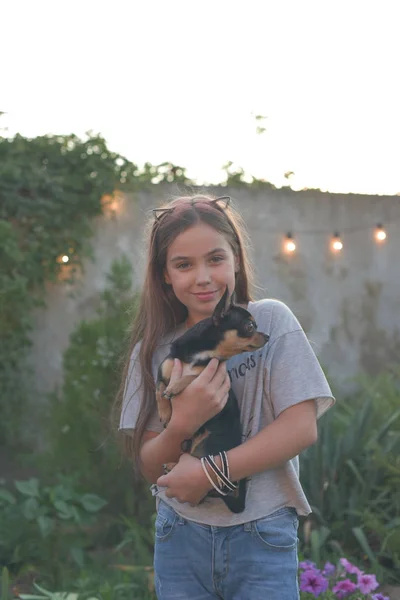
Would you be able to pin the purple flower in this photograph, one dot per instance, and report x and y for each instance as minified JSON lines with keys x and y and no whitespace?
{"x":328,"y":569}
{"x":306,"y":564}
{"x":380,"y":597}
{"x":312,"y":581}
{"x":344,"y":588}
{"x":367,"y":583}
{"x":349,"y":567}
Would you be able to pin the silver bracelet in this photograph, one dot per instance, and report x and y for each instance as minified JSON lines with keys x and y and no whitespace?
{"x":220,"y":475}
{"x":203,"y":461}
{"x":225,"y":463}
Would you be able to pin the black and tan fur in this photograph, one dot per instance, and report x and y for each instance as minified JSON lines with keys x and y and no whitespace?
{"x":231,"y":330}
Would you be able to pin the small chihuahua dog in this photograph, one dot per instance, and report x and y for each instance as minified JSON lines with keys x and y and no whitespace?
{"x":231,"y":330}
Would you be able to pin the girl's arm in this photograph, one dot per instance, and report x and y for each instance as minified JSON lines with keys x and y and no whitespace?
{"x":204,"y":398}
{"x":292,"y":432}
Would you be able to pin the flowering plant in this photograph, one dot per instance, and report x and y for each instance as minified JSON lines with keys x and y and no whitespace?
{"x":336,"y":582}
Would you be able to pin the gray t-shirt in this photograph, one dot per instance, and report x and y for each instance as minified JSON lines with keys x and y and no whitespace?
{"x":266,"y":382}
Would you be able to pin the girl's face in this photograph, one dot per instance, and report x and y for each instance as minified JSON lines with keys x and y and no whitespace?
{"x":200,"y":264}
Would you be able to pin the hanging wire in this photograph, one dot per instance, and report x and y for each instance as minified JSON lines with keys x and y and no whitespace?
{"x":343,"y":230}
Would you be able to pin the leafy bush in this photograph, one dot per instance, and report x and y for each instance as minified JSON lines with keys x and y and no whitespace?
{"x":330,"y":582}
{"x":82,"y":442}
{"x":51,"y":189}
{"x":46,"y":527}
{"x":16,"y":304}
{"x":352,"y":477}
{"x":54,"y":535}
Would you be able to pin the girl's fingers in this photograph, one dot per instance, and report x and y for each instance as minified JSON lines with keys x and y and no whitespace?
{"x":207,"y":375}
{"x":224,"y":400}
{"x":226,"y":382}
{"x":219,"y":376}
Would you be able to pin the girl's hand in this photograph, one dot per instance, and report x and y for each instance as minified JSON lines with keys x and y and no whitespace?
{"x":186,"y":482}
{"x":204,"y":398}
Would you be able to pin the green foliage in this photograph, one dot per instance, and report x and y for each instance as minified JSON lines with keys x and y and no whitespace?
{"x":165,"y":172}
{"x":55,"y":535}
{"x":5,"y":584}
{"x":81,"y":440}
{"x":16,"y":304}
{"x":351,"y":478}
{"x":236,"y":176}
{"x":46,"y":526}
{"x":51,"y":188}
{"x":97,"y":585}
{"x":44,"y":530}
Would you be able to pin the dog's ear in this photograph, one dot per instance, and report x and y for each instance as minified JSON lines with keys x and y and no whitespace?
{"x":222,"y":307}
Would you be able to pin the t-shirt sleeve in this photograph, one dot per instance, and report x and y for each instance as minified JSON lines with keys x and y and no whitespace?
{"x":132,"y":400}
{"x":295,"y":374}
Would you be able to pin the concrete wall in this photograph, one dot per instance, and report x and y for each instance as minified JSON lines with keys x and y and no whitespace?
{"x":348,"y":303}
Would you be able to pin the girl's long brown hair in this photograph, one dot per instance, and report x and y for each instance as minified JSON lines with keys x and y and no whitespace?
{"x":159,"y":310}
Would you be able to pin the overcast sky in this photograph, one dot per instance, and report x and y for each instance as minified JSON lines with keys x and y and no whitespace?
{"x":182,"y":81}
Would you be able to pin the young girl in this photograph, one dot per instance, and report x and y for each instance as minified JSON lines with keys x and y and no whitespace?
{"x":203,"y":550}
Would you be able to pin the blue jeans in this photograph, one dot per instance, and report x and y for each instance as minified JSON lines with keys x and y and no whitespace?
{"x":253,"y":561}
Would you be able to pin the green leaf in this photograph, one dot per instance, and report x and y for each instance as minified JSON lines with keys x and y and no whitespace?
{"x":46,"y":593}
{"x":383,"y":430}
{"x":318,"y":539}
{"x":78,"y":556}
{"x":65,"y":510}
{"x":28,"y":488}
{"x":7,"y":496}
{"x":46,"y":525}
{"x":92,"y":502}
{"x":77,"y":514}
{"x":30,"y":509}
{"x":32,"y":597}
{"x":356,"y":472}
{"x":5,"y":583}
{"x":362,"y":540}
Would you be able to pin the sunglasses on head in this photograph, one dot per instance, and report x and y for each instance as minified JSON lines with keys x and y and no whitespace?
{"x":221,"y":203}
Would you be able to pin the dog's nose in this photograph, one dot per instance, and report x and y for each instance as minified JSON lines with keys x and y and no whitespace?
{"x":266,"y":336}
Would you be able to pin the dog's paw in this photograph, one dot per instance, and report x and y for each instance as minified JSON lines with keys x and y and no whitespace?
{"x":167,"y":467}
{"x":177,"y":387}
{"x":165,"y":414}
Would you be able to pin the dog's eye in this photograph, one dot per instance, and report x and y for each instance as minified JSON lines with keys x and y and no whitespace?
{"x":249,"y":327}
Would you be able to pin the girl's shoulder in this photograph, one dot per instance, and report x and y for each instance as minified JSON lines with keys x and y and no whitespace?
{"x":273,"y":317}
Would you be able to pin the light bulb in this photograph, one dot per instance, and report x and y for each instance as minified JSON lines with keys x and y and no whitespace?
{"x":289,"y":245}
{"x":380,"y":233}
{"x":65,"y":258}
{"x":337,"y":243}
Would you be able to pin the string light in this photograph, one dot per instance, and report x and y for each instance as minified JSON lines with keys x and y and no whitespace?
{"x":62,"y":259}
{"x":380,"y":233}
{"x":336,"y":243}
{"x":289,"y":244}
